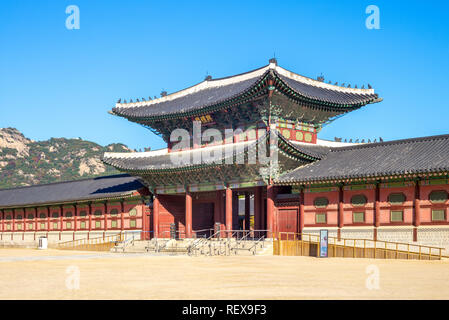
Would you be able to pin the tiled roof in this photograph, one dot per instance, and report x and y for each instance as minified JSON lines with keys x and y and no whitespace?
{"x":328,"y":94}
{"x":399,"y":157}
{"x":216,"y":91}
{"x":86,"y":189}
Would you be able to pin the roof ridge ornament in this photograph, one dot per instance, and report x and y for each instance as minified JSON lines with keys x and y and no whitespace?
{"x":273,"y":60}
{"x":320,"y":77}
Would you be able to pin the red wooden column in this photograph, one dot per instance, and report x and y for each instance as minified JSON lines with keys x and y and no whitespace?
{"x":144,"y":225}
{"x":222,"y":213}
{"x":90,"y":220}
{"x":301,"y":211}
{"x":270,"y":210}
{"x":105,"y":217}
{"x":377,"y":210}
{"x":2,"y":224}
{"x":156,"y":216}
{"x":217,"y":212}
{"x":188,"y":214}
{"x":416,"y":211}
{"x":61,"y":220}
{"x":340,"y":211}
{"x":122,"y":215}
{"x":247,"y":211}
{"x":75,"y":217}
{"x":35,"y":222}
{"x":228,"y":209}
{"x":48,"y":220}
{"x":257,"y":208}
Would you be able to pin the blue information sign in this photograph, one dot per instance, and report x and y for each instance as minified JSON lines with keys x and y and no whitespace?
{"x":323,"y":243}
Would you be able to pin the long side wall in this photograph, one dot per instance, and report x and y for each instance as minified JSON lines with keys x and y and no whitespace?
{"x":60,"y":223}
{"x":417,"y":219}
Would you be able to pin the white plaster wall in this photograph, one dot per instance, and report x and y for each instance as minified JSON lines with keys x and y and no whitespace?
{"x":395,"y":234}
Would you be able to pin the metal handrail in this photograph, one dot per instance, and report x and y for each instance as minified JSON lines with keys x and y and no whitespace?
{"x":261,"y":239}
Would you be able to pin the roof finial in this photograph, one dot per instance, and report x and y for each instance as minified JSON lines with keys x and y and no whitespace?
{"x":273,"y":60}
{"x":320,"y":78}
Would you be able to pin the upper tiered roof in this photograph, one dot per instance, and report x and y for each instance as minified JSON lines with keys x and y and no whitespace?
{"x":215,"y":94}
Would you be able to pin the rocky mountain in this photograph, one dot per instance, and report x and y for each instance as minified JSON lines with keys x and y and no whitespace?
{"x":26,"y":162}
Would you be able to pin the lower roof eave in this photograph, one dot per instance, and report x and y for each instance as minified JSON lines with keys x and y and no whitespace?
{"x":371,"y":178}
{"x":71,"y":202}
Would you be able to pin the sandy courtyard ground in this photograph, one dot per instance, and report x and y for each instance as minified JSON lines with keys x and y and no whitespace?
{"x":53,"y":274}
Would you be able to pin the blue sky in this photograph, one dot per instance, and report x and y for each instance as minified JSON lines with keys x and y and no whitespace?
{"x":56,"y":82}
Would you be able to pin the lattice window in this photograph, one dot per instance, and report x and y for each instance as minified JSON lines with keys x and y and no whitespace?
{"x":396,"y":198}
{"x":97,"y":213}
{"x":114,"y":212}
{"x":438,"y":215}
{"x":97,"y":224}
{"x":31,"y":216}
{"x":358,"y":217}
{"x":69,"y":214}
{"x":132,"y":223}
{"x":286,"y":133}
{"x":113,"y":224}
{"x":308,"y":137}
{"x":358,"y":200}
{"x":396,"y":216}
{"x":321,"y":202}
{"x":83,"y":225}
{"x":133,"y":212}
{"x":439,"y":196}
{"x":320,"y":218}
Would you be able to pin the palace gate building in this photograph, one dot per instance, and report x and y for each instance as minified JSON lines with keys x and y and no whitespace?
{"x":243,"y":153}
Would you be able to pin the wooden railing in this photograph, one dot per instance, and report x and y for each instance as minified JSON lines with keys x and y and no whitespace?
{"x":297,"y":244}
{"x":93,"y":244}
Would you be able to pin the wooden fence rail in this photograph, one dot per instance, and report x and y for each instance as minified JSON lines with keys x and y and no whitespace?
{"x":296,"y":244}
{"x":104,"y":243}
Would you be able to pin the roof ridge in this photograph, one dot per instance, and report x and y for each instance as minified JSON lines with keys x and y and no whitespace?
{"x":185,"y":91}
{"x":67,"y":181}
{"x":391,"y":142}
{"x":321,"y":84}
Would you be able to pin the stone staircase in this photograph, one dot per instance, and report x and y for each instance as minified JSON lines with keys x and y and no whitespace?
{"x":196,"y":247}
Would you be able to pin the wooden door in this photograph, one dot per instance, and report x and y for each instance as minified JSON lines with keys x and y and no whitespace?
{"x":288,"y":222}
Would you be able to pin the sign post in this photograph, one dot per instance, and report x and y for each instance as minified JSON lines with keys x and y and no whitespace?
{"x":323,"y":243}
